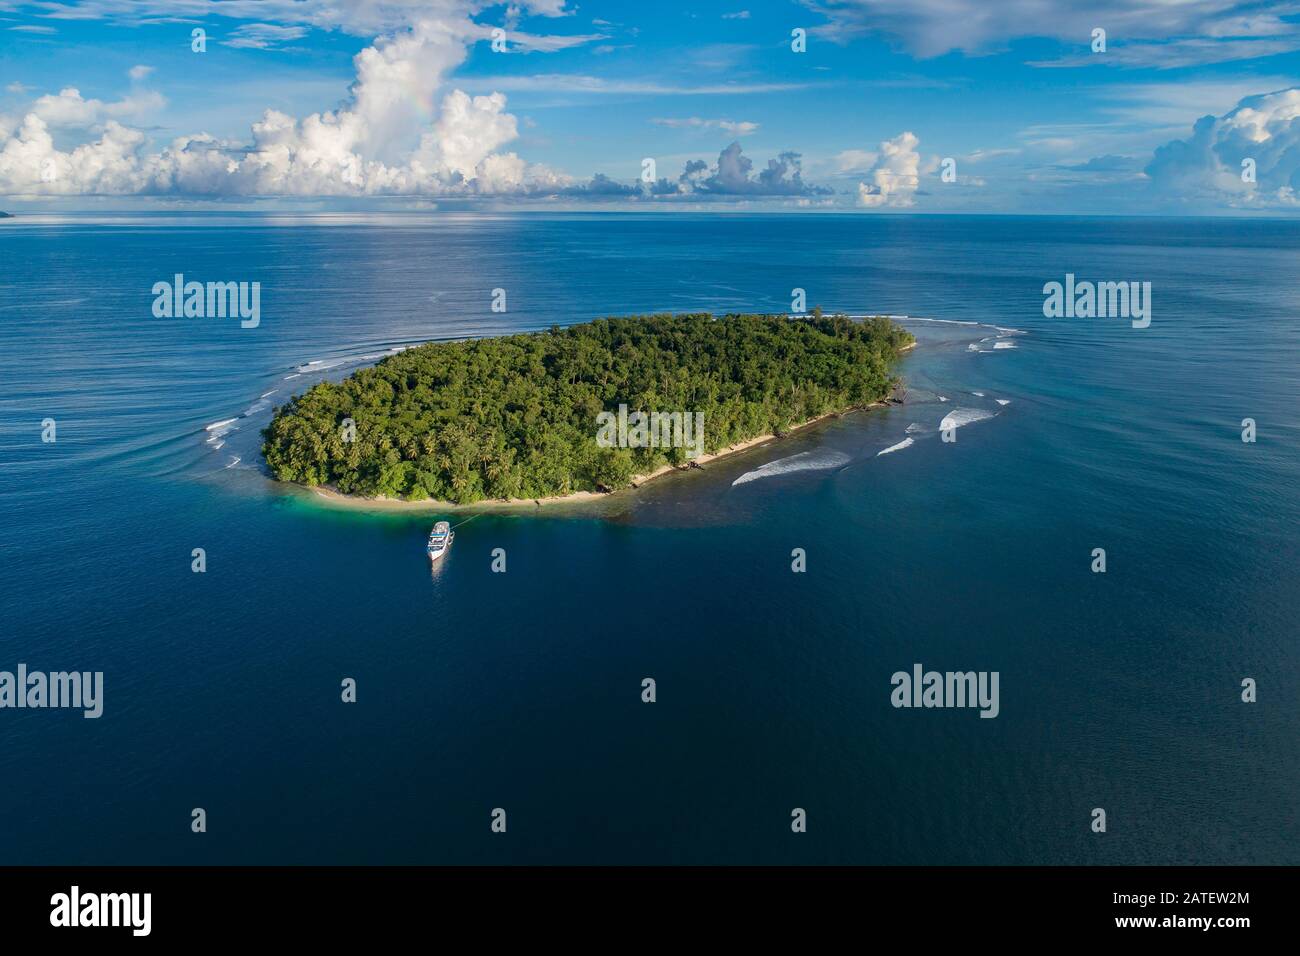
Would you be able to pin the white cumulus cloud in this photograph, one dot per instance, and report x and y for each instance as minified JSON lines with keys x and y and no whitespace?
{"x":894,"y":175}
{"x":1262,"y":132}
{"x":69,"y":110}
{"x":397,"y":134}
{"x":469,"y":130}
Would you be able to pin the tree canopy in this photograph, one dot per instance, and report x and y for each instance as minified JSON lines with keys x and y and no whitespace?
{"x":516,"y":416}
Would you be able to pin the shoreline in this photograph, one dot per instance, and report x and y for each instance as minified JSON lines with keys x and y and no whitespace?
{"x":339,"y":499}
{"x":323,"y":493}
{"x":327,"y":494}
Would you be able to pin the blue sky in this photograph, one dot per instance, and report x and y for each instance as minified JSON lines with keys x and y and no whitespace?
{"x":322,"y":103}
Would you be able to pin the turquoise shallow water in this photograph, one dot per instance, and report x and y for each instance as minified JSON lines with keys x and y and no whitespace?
{"x":522,"y":690}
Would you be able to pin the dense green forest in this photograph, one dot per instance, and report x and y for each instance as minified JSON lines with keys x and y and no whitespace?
{"x":516,"y":416}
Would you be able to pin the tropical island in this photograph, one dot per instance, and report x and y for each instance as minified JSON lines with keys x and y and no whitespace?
{"x":6,"y":215}
{"x":531,"y":416}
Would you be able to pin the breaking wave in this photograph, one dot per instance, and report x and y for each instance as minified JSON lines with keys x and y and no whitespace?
{"x":220,"y":429}
{"x":963,"y":416}
{"x":898,"y":447}
{"x":804,"y":461}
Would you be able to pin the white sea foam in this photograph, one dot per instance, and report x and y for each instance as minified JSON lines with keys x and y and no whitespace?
{"x":1002,"y":401}
{"x":963,"y":416}
{"x":913,"y":428}
{"x":899,"y":447}
{"x":320,"y":365}
{"x":804,"y":461}
{"x":980,"y":394}
{"x":313,"y":367}
{"x":943,"y":398}
{"x":998,"y":343}
{"x":915,"y":318}
{"x":220,"y":429}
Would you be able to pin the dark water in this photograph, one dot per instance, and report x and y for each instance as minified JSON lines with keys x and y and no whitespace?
{"x":522,"y":690}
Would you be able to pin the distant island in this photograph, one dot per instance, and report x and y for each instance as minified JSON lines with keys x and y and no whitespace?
{"x":6,"y":215}
{"x":545,"y":415}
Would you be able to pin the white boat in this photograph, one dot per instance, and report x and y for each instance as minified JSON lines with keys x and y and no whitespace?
{"x":440,"y":540}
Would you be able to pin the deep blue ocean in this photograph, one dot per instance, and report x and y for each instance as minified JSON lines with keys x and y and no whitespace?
{"x":522,"y":690}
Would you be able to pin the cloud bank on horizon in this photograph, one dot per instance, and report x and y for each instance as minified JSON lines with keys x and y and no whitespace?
{"x":1186,"y":106}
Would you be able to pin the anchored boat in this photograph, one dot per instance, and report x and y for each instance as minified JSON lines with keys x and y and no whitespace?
{"x":440,"y":540}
